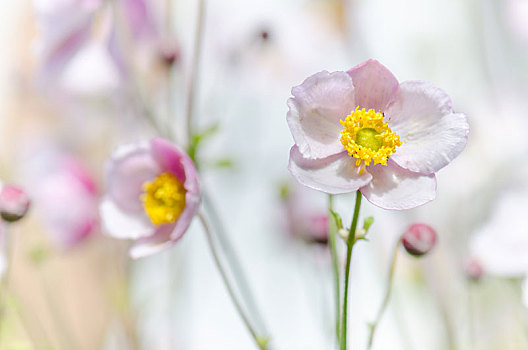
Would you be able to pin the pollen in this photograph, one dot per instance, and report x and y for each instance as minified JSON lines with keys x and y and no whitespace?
{"x":164,"y":199}
{"x":368,"y":138}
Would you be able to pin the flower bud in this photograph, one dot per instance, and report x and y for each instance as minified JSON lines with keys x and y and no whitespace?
{"x":169,"y":53}
{"x":14,"y":203}
{"x":473,"y":269}
{"x":419,"y":239}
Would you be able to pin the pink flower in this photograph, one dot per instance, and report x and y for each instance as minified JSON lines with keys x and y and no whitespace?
{"x":305,"y":220}
{"x":14,"y":203}
{"x":66,"y":28}
{"x":152,"y":195}
{"x":363,"y":130}
{"x":66,"y":199}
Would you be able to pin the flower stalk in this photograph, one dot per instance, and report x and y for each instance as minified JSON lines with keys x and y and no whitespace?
{"x":332,"y":230}
{"x":350,"y":244}
{"x":385,"y":302}
{"x":260,"y":340}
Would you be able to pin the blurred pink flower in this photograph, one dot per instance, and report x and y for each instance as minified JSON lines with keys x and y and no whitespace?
{"x":14,"y":203}
{"x":305,"y":221}
{"x":152,"y":195}
{"x":66,"y":199}
{"x":65,"y":27}
{"x":501,"y":243}
{"x":395,"y":138}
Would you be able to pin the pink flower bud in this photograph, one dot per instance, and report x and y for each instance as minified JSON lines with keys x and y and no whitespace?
{"x":419,"y":239}
{"x":473,"y":269}
{"x":14,"y":203}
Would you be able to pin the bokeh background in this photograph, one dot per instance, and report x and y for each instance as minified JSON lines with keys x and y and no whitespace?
{"x":62,"y":113}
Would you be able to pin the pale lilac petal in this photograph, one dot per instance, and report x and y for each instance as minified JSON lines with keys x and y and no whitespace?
{"x":501,"y":243}
{"x":168,"y":157}
{"x":432,"y":134}
{"x":128,"y":169}
{"x":315,"y":110}
{"x":63,"y":27}
{"x":159,"y":241}
{"x":335,"y":174}
{"x":374,"y":85}
{"x":138,"y":17}
{"x":393,"y":187}
{"x":120,"y":224}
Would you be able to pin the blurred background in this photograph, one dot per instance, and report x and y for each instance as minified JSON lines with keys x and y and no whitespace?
{"x":80,"y":77}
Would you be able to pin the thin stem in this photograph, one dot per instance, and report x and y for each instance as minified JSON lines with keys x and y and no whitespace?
{"x":259,"y":340}
{"x":350,"y":244}
{"x":234,"y":263}
{"x":191,"y":92}
{"x":385,"y":301}
{"x":67,"y":339}
{"x":335,"y":263}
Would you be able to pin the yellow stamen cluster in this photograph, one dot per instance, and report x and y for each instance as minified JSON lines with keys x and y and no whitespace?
{"x":164,"y":199}
{"x":367,"y":138}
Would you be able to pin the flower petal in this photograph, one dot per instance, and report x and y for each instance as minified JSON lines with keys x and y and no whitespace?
{"x":118,"y":224}
{"x":128,"y":169}
{"x":432,"y":134}
{"x":315,"y":110}
{"x":393,"y":187}
{"x":374,"y":85}
{"x":335,"y":174}
{"x":168,"y":157}
{"x":159,"y":241}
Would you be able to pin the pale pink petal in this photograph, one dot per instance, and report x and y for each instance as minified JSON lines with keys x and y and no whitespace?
{"x":159,"y":241}
{"x":120,"y":224}
{"x":335,"y":174}
{"x":138,"y":17}
{"x":126,"y":172}
{"x":393,"y":187}
{"x":171,"y":158}
{"x":432,"y":134}
{"x":168,"y":157}
{"x":315,"y":110}
{"x":374,"y":85}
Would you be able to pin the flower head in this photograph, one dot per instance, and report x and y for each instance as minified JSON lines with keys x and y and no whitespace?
{"x":361,"y":129}
{"x":14,"y":203}
{"x":152,"y":195}
{"x":65,"y":197}
{"x":304,"y":219}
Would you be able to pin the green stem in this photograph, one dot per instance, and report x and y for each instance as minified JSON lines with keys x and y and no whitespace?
{"x":259,"y":340}
{"x":350,"y":244}
{"x":191,"y":91}
{"x":234,"y":262}
{"x":385,"y":301}
{"x":333,"y":251}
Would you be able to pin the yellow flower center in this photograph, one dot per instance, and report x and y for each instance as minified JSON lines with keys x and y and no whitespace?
{"x":367,"y":138}
{"x":164,"y":199}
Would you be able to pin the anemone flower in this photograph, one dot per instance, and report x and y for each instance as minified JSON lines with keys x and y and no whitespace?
{"x":66,"y":199}
{"x":361,"y":129}
{"x":152,"y":195}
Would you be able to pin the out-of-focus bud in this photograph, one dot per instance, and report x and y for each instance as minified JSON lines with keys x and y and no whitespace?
{"x":14,"y":203}
{"x":169,"y":52}
{"x":473,"y":269}
{"x":419,"y":239}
